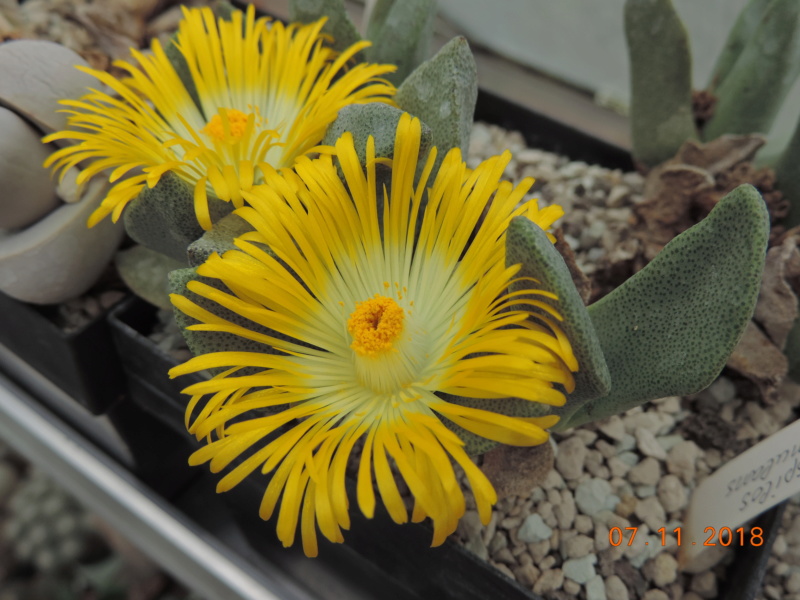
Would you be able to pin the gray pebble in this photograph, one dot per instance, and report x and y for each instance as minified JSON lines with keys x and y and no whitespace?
{"x":580,"y":570}
{"x":534,"y":530}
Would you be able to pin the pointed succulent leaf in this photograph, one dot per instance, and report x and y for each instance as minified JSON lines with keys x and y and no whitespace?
{"x":787,"y":174}
{"x":219,"y":239}
{"x":401,"y":34}
{"x":379,"y":121}
{"x":442,"y":92}
{"x":338,"y":24}
{"x":661,"y":80}
{"x":742,"y":32}
{"x":205,"y":342}
{"x":670,"y":328}
{"x":754,"y":90}
{"x":527,"y":244}
{"x":163,"y":218}
{"x":145,"y":272}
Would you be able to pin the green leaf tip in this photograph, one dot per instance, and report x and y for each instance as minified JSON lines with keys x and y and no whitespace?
{"x":401,"y":33}
{"x":145,"y":272}
{"x":753,"y":91}
{"x":443,"y":92}
{"x":661,"y":80}
{"x":218,"y":240}
{"x":670,"y":328}
{"x":338,"y":24}
{"x":163,"y":218}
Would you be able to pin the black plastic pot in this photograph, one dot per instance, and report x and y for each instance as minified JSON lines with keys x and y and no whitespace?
{"x":83,"y":363}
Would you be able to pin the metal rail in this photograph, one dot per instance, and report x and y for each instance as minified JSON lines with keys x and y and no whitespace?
{"x":173,"y":541}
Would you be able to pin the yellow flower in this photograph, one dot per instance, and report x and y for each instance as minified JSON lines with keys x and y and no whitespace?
{"x":267,"y":93}
{"x":371,"y":317}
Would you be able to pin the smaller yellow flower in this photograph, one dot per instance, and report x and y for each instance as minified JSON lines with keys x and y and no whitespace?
{"x":267,"y":93}
{"x":369,"y":320}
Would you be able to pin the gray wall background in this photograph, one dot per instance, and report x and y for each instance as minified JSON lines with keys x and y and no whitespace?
{"x":582,"y":42}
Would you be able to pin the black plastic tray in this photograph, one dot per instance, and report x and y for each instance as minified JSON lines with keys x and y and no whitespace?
{"x":83,"y":363}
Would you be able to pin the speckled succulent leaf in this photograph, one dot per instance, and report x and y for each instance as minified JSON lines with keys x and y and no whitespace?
{"x":442,"y":92}
{"x":754,"y":90}
{"x":401,"y":34}
{"x":787,"y":173}
{"x":218,"y":239}
{"x":338,"y":26}
{"x":670,"y":328}
{"x":528,"y":245}
{"x":741,"y":33}
{"x":203,"y":342}
{"x":163,"y":217}
{"x":379,"y":121}
{"x":661,"y":80}
{"x":145,"y":272}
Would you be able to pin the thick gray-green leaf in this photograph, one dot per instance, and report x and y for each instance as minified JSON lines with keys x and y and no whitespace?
{"x":742,"y":32}
{"x":754,"y":90}
{"x":338,"y":26}
{"x":219,"y":239}
{"x":401,"y":33}
{"x":379,"y":121}
{"x":528,"y":244}
{"x":442,"y":92}
{"x":205,"y":342}
{"x":669,"y":329}
{"x":661,"y":80}
{"x":145,"y":272}
{"x":163,"y":218}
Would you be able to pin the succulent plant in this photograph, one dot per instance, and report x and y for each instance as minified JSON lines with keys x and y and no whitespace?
{"x":46,"y":526}
{"x":667,"y":330}
{"x":43,"y":236}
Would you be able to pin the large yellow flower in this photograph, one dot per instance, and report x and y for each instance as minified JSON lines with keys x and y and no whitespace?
{"x":267,"y":93}
{"x":376,"y":305}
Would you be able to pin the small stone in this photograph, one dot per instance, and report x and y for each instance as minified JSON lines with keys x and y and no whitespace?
{"x":547,"y":562}
{"x":722,"y":390}
{"x":539,"y":550}
{"x":570,"y":458}
{"x":648,"y":445}
{"x":571,"y":588}
{"x":503,"y":569}
{"x":792,"y":584}
{"x":628,"y":442}
{"x":471,"y":529}
{"x":651,"y":512}
{"x":554,"y":480}
{"x":565,"y":511}
{"x":646,"y":472}
{"x":655,"y":595}
{"x":617,"y":467}
{"x":577,"y":546}
{"x":595,"y":588}
{"x":664,"y":569}
{"x":583,"y":523}
{"x":779,"y":547}
{"x":761,"y":420}
{"x":672,"y":493}
{"x":549,"y":581}
{"x":601,"y":538}
{"x":670,"y":405}
{"x":626,"y":505}
{"x":594,"y":495}
{"x":629,"y":458}
{"x":534,"y":530}
{"x":705,"y":585}
{"x":580,"y":570}
{"x":615,"y":588}
{"x":645,"y":491}
{"x":617,"y":196}
{"x":527,"y":574}
{"x":681,"y":460}
{"x":499,"y":542}
{"x":110,"y":298}
{"x":613,"y":427}
{"x":667,"y":442}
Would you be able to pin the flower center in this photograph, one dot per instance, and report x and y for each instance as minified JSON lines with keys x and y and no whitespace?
{"x":237,"y":124}
{"x":375,"y":324}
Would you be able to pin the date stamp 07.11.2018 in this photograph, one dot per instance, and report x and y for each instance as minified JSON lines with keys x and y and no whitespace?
{"x":722,"y":536}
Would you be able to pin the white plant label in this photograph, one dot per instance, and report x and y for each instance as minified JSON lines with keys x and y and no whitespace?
{"x":743,"y":488}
